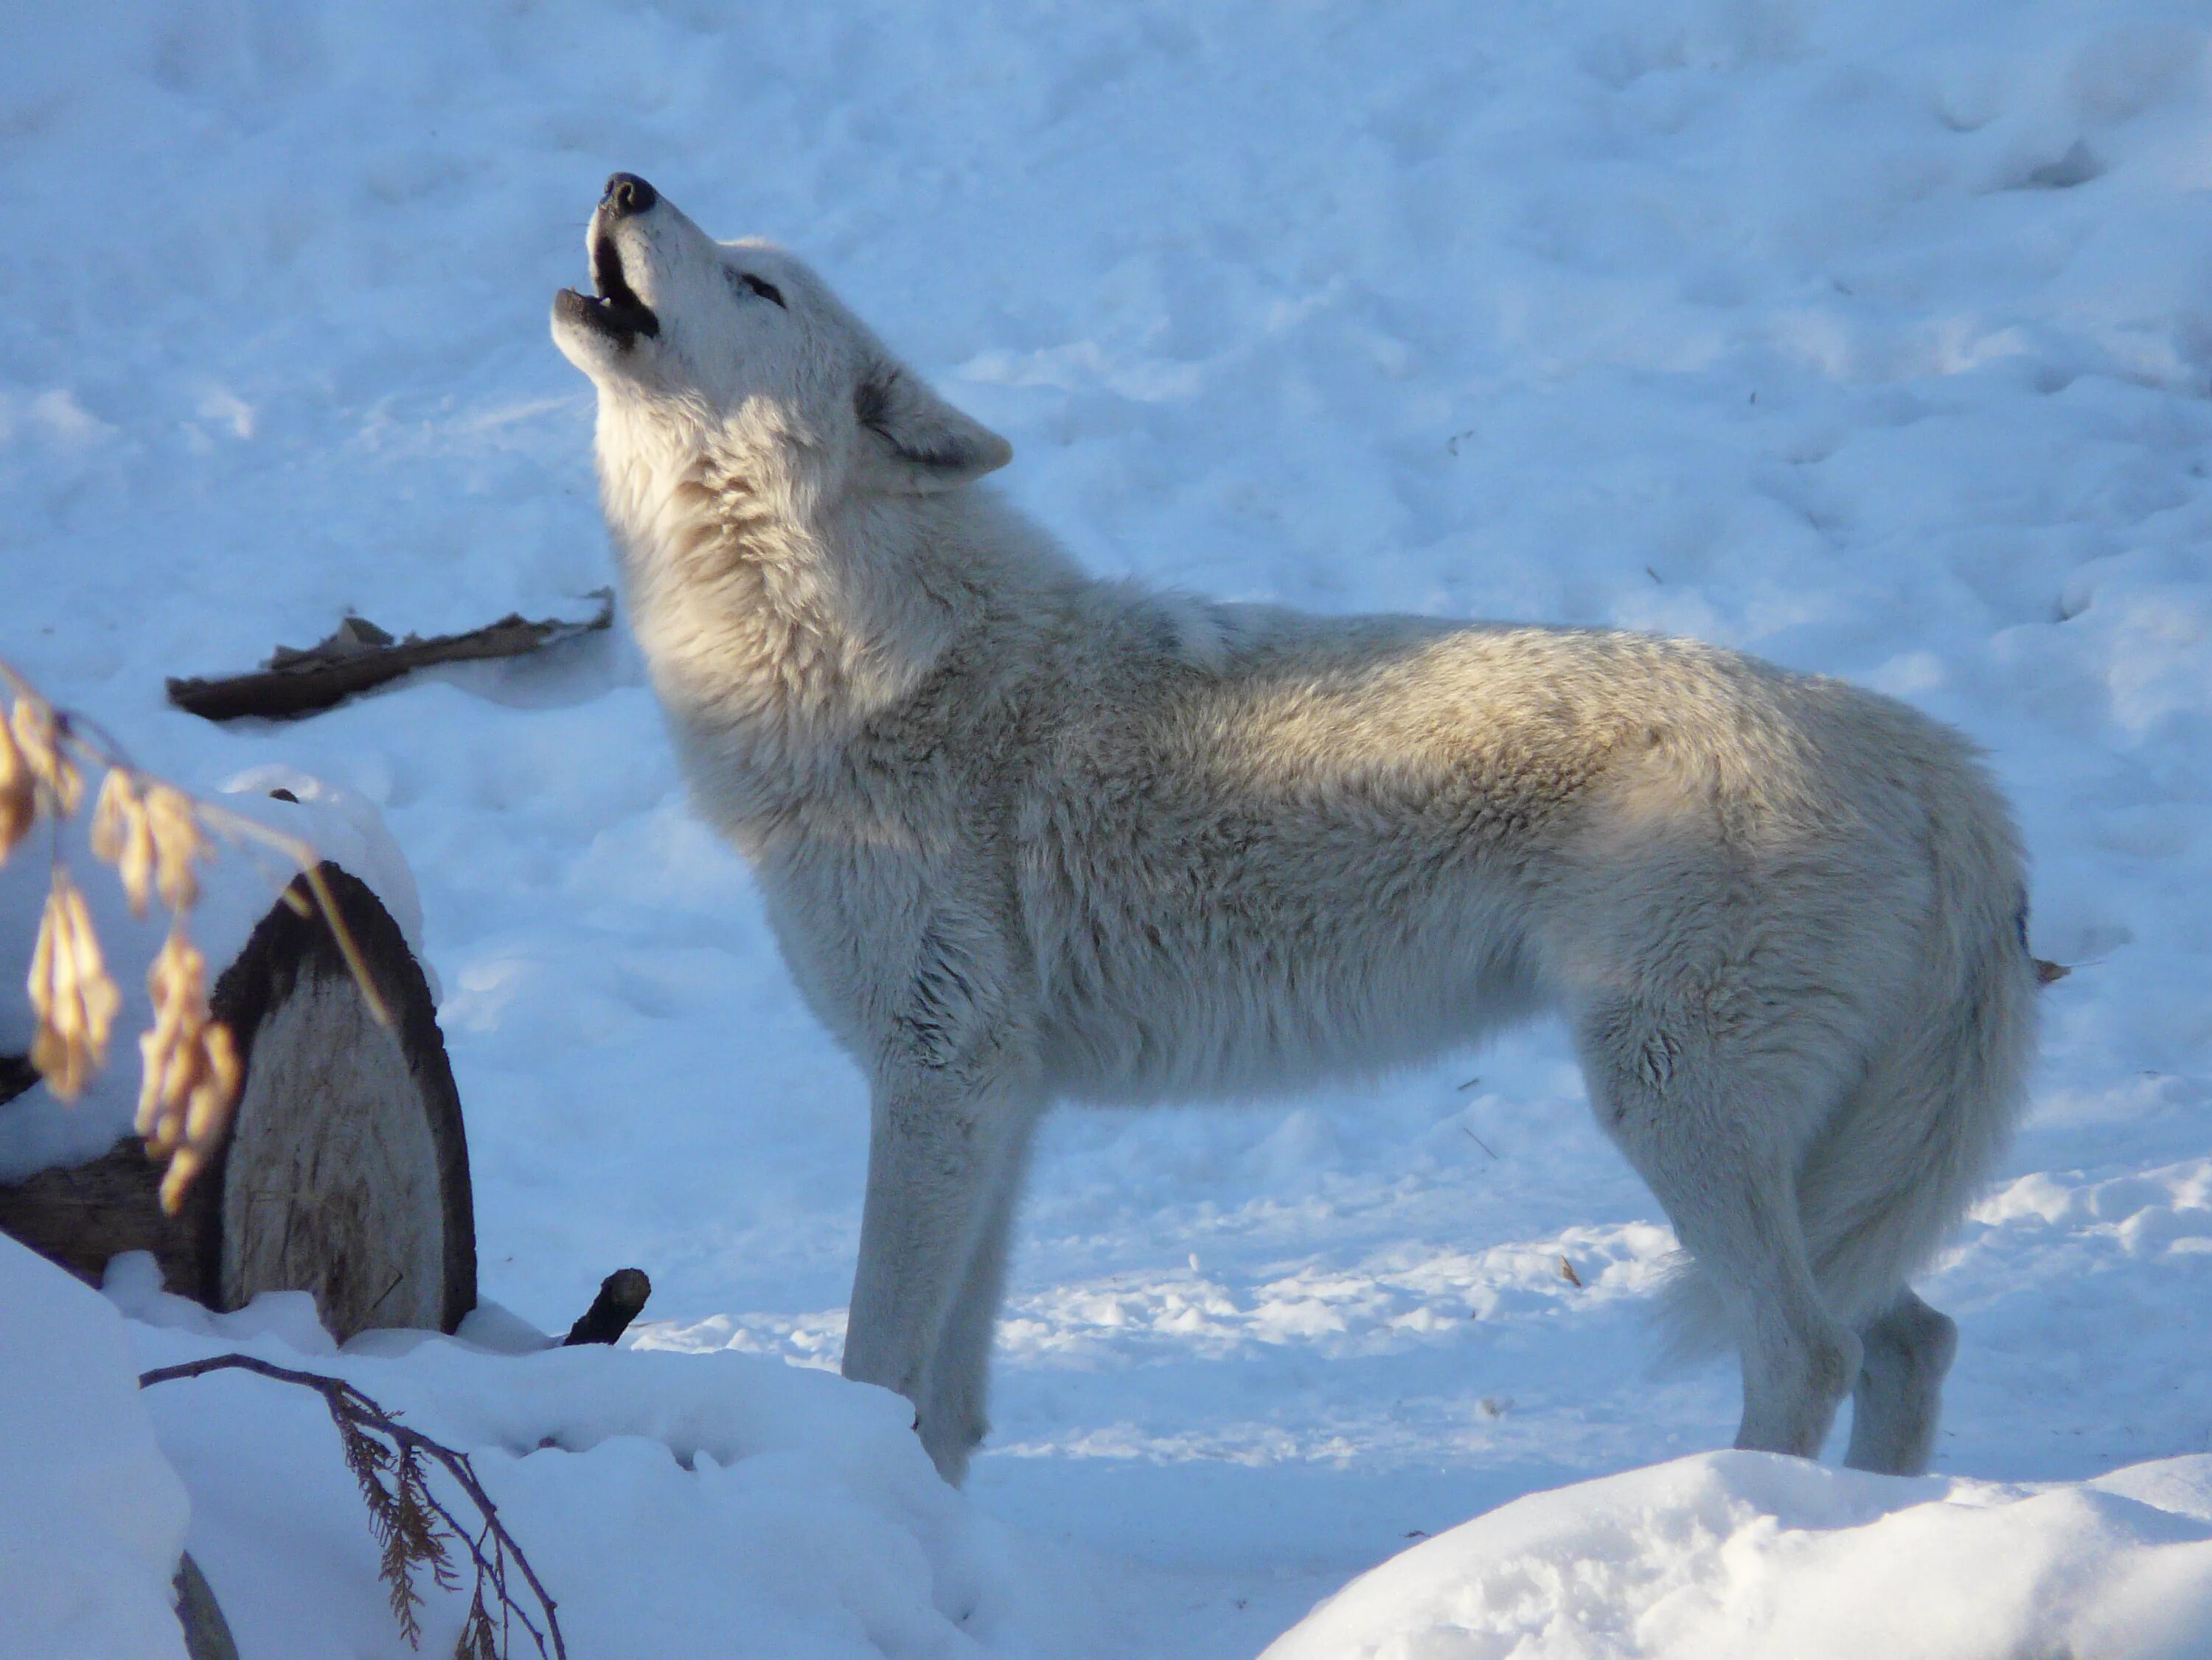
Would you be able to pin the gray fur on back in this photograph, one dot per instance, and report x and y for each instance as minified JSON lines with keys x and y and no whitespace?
{"x":1025,"y":835}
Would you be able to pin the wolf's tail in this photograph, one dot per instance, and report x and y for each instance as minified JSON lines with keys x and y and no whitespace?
{"x":1902,"y":1157}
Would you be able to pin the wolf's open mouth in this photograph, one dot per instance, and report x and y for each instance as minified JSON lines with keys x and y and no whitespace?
{"x":616,"y":311}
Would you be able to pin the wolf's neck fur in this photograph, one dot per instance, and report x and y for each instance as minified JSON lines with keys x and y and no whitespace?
{"x":777,"y":615}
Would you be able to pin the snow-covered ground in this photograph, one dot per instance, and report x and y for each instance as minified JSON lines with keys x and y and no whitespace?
{"x":1877,"y":340}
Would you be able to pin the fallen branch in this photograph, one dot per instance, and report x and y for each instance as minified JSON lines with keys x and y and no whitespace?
{"x":358,"y":656}
{"x":411,"y":1526}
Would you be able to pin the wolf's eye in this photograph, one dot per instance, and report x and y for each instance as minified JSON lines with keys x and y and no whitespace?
{"x":759,"y":285}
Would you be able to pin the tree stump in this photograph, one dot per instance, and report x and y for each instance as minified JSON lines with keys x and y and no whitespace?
{"x":346,"y":1171}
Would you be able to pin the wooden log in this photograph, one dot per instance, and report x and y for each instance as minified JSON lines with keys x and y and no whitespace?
{"x":346,"y":1171}
{"x":82,"y":1217}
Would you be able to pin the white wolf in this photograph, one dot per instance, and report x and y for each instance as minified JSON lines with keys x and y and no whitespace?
{"x":1027,"y":836}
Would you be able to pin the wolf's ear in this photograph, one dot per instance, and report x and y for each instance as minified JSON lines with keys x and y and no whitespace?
{"x":930,"y":445}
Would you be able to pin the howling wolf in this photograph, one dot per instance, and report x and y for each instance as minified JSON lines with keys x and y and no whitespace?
{"x":1026,"y":835}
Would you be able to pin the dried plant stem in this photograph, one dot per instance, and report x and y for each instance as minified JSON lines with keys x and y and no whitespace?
{"x":334,"y":919}
{"x":408,"y":1537}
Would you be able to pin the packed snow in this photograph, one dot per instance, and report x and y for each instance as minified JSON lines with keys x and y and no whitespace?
{"x":92,"y":1515}
{"x":672,"y":1505}
{"x":1875,"y":340}
{"x":1744,"y":1556}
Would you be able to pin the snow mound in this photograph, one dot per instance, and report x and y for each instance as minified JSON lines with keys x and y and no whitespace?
{"x":1731,"y":1554}
{"x":92,"y":1517}
{"x":671,"y":1504}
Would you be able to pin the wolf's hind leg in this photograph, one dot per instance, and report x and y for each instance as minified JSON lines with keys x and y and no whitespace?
{"x":1709,"y":1128}
{"x":1908,"y":1349}
{"x":1798,"y":1360}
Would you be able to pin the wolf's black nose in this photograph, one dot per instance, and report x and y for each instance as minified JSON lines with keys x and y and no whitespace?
{"x":627,"y":193}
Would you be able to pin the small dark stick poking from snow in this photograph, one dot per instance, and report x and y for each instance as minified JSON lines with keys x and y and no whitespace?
{"x":622,"y":1294}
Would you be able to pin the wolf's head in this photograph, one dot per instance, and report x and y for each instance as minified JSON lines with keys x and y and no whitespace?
{"x":739,"y":348}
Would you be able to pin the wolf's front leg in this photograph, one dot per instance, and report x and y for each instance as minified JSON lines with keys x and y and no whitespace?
{"x":956,"y":1388}
{"x":943,"y":1150}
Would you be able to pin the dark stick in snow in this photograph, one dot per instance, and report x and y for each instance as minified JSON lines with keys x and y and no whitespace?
{"x":622,"y":1294}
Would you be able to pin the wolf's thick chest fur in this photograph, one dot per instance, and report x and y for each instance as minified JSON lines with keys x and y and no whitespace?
{"x":1028,"y":836}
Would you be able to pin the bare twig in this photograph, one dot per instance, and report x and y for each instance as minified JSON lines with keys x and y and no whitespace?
{"x":413,"y":1527}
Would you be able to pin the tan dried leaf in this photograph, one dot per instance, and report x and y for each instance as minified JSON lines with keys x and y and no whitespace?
{"x":123,"y":835}
{"x":110,"y":809}
{"x":178,"y":844}
{"x":103,"y":1002}
{"x":156,"y":1045}
{"x":71,"y":991}
{"x":19,"y":793}
{"x":176,"y":1074}
{"x":63,"y":1065}
{"x":39,"y":738}
{"x":170,"y":1050}
{"x":207,"y":1112}
{"x":185,"y":1164}
{"x":177,"y":977}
